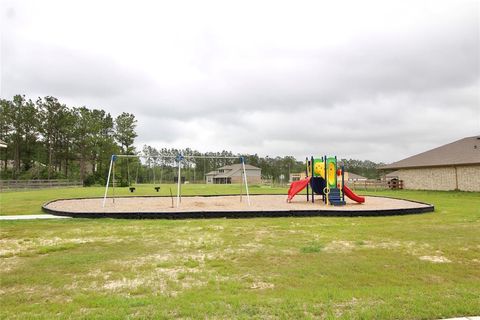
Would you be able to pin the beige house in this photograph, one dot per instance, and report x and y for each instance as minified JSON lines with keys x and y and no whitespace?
{"x":454,"y":166}
{"x":234,"y":174}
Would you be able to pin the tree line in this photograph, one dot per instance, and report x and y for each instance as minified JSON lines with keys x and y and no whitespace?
{"x":157,"y":169}
{"x":365,"y":168}
{"x":46,"y":139}
{"x":195,"y":164}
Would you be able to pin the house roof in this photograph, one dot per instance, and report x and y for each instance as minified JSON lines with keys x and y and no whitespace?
{"x":230,"y":170}
{"x":465,"y":151}
{"x":352,"y":175}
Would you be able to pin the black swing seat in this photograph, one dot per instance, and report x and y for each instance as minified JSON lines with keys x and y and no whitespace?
{"x":157,"y":188}
{"x":132,"y":189}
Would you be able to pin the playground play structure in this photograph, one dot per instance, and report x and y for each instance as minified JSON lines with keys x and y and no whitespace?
{"x":325,"y":178}
{"x":179,"y":160}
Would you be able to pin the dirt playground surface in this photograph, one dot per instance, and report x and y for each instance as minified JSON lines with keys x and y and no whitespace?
{"x":258,"y":203}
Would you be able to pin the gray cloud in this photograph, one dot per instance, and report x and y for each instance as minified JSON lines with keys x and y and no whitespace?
{"x":34,"y":67}
{"x":378,"y":85}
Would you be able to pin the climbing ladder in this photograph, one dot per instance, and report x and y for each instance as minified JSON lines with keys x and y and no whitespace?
{"x":335,"y":197}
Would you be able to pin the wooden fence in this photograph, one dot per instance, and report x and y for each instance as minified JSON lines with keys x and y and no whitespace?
{"x":37,"y":184}
{"x":375,"y":185}
{"x":354,"y":185}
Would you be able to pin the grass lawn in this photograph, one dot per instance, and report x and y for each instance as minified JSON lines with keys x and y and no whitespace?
{"x":407,"y":267}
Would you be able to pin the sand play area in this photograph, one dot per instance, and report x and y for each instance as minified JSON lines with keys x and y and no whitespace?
{"x":228,"y":206}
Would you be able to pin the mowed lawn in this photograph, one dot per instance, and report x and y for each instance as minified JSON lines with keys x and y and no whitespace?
{"x":405,"y":267}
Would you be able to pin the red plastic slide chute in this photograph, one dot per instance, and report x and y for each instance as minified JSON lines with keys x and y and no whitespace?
{"x":349,"y":193}
{"x":296,"y":187}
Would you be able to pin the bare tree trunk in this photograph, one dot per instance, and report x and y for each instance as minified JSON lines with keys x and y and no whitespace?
{"x":66,"y":159}
{"x":82,"y":164}
{"x":65,"y":168}
{"x":94,"y":165}
{"x":6,"y":160}
{"x":82,"y":168}
{"x":50,"y":154}
{"x":16,"y":159}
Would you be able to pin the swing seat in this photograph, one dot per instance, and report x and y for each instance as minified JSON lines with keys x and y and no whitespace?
{"x":157,"y":188}
{"x":132,"y":189}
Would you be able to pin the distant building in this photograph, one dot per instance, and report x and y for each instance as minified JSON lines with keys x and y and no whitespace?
{"x":3,"y":144}
{"x":454,"y":166}
{"x":351,"y":177}
{"x":392,"y":175}
{"x":297,"y":176}
{"x":233,"y":174}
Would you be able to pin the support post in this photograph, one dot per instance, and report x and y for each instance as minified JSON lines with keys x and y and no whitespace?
{"x":343,"y":182}
{"x":306,"y":174}
{"x":313,"y":177}
{"x":241,"y":187}
{"x":108,"y":180}
{"x":113,"y":181}
{"x":336,"y":167}
{"x":179,"y":159}
{"x":323,"y":194}
{"x":326,"y":178}
{"x":245,"y":180}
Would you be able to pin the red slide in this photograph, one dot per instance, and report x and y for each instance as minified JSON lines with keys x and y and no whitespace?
{"x":296,"y":187}
{"x":349,"y":193}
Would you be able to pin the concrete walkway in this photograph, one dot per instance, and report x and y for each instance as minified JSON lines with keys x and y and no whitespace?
{"x":464,"y":318}
{"x":32,"y":217}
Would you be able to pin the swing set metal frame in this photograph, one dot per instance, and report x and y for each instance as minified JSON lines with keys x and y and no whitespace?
{"x":179,"y":159}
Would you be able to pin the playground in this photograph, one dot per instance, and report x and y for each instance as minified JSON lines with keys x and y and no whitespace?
{"x":324,"y":179}
{"x":228,"y":207}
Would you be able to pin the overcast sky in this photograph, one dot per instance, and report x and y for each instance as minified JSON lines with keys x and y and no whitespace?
{"x":378,"y":80}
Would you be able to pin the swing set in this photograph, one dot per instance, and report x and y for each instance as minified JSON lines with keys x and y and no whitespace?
{"x":133,"y":188}
{"x":179,"y":160}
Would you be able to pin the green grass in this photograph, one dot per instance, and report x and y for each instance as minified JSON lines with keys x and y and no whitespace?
{"x":405,"y":267}
{"x":312,"y":248}
{"x":30,"y":202}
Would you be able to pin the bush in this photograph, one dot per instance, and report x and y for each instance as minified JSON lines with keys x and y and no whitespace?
{"x":94,"y":179}
{"x":89,"y":180}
